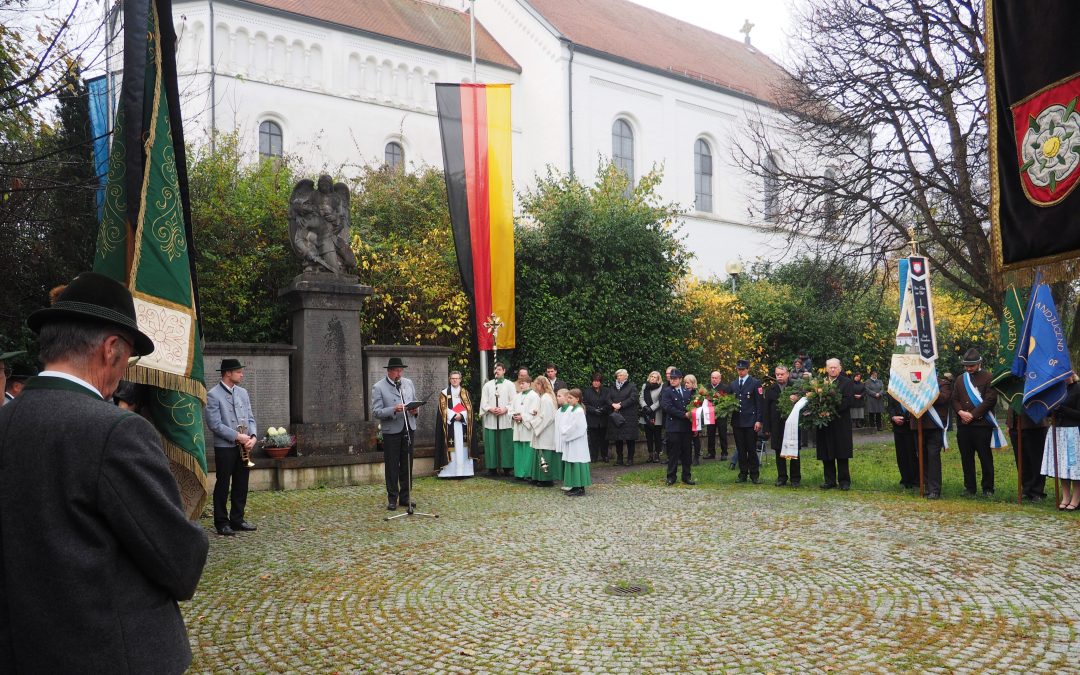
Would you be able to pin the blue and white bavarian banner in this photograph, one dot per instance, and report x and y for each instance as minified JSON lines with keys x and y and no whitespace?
{"x":912,"y":375}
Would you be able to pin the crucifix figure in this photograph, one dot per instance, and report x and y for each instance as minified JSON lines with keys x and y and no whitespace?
{"x":493,"y":324}
{"x":746,"y":28}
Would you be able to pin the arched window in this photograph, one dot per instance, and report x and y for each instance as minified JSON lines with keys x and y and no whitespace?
{"x":831,"y":213}
{"x":622,"y":147}
{"x":703,"y":176}
{"x":394,"y":155}
{"x":270,"y":139}
{"x":771,"y":192}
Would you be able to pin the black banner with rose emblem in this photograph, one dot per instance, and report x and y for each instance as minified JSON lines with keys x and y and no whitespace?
{"x":1033,"y":77}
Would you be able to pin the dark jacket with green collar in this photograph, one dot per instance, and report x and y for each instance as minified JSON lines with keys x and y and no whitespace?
{"x":95,"y":550}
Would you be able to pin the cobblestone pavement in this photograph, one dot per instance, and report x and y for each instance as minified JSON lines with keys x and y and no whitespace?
{"x":513,"y":579}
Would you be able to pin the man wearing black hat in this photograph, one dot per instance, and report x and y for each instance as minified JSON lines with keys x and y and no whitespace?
{"x":746,"y":421}
{"x":5,"y":370}
{"x":673,"y":402}
{"x":973,"y":400}
{"x":232,"y":421}
{"x":97,"y":548}
{"x":389,"y":396}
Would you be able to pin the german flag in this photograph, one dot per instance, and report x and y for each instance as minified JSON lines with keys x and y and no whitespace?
{"x":474,"y":120}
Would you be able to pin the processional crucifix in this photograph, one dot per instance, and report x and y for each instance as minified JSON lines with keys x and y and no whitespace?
{"x":493,"y":324}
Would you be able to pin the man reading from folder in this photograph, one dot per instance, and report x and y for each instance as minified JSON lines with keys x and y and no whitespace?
{"x":390,"y":397}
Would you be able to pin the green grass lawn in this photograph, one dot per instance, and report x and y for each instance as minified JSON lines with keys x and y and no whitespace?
{"x":873,"y":474}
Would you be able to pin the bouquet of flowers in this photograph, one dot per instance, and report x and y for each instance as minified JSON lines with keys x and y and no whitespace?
{"x":822,"y":403}
{"x":708,"y":406}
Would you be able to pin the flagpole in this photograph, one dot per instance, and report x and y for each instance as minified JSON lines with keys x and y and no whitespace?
{"x":922,"y":464}
{"x":472,"y":37}
{"x":1057,"y":473}
{"x":1019,"y":458}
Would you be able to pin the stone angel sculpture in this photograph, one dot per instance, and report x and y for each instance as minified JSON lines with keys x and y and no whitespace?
{"x":319,"y":228}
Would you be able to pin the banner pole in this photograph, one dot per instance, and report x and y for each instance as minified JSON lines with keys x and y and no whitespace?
{"x":922,"y":464}
{"x":1020,"y":459}
{"x":1057,"y":479}
{"x":483,"y":367}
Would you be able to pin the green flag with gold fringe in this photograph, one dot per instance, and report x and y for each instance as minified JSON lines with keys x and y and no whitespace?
{"x":144,"y":241}
{"x":1009,"y":387}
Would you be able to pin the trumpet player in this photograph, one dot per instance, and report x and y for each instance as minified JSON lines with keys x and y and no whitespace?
{"x":228,"y":410}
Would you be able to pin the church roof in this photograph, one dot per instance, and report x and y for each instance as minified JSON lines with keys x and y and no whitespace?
{"x":627,"y":31}
{"x":409,"y":21}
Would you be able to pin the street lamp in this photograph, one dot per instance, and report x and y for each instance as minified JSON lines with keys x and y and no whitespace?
{"x":733,"y":268}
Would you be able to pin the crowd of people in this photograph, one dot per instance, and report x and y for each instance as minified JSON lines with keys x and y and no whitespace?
{"x":526,"y":428}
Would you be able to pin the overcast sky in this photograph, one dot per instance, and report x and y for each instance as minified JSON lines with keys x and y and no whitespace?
{"x":770,"y":18}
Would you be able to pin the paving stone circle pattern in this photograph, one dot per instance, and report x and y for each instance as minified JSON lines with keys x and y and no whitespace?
{"x":515,"y":579}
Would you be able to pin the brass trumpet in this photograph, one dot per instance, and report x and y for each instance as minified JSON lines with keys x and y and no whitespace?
{"x":245,"y":454}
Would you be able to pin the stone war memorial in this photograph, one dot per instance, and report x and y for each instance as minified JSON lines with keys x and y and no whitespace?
{"x":317,"y":387}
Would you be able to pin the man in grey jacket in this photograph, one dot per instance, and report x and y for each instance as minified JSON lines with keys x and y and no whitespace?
{"x":231,"y":420}
{"x":95,"y":549}
{"x":389,"y":397}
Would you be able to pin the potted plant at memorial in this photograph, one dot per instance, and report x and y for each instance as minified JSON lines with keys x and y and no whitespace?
{"x":278,"y":442}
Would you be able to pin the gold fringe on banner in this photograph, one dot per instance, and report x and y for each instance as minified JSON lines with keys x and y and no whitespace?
{"x":1064,"y":267}
{"x":190,"y":479}
{"x":162,"y":380}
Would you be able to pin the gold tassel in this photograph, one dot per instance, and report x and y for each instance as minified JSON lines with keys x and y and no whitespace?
{"x":193,"y":498}
{"x":162,"y":380}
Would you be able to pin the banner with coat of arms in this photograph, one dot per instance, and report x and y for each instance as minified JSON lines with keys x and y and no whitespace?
{"x":1033,"y":83}
{"x":912,"y":374}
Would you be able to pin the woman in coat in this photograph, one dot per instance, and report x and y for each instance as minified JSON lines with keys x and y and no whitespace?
{"x":652,"y":418}
{"x":622,"y":422}
{"x":858,"y":408}
{"x":597,"y":408}
{"x":875,"y":401}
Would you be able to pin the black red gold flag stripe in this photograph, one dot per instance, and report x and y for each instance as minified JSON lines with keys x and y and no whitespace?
{"x":474,"y":120}
{"x":1033,"y":79}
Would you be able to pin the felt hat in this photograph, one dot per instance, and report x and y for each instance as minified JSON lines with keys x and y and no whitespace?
{"x":94,"y":297}
{"x":8,"y":355}
{"x":230,"y":364}
{"x":395,"y":362}
{"x":20,"y":372}
{"x":971,"y":357}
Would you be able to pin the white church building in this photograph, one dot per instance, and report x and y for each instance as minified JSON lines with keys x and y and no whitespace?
{"x":347,"y":82}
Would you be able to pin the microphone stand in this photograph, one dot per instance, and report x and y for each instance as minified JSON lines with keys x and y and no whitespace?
{"x":410,"y":508}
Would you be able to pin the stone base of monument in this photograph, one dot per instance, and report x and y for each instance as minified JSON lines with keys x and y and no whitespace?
{"x":299,"y":473}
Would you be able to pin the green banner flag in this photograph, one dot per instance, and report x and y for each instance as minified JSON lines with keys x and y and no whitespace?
{"x":144,"y":242}
{"x":1009,"y":387}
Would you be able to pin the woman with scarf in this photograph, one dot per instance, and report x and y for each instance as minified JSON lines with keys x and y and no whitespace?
{"x":652,"y":418}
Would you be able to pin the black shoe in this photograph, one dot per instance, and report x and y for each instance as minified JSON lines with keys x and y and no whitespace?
{"x":781,"y":482}
{"x":577,"y":492}
{"x":391,"y":507}
{"x":245,"y":527}
{"x":845,"y":486}
{"x":1034,"y":498}
{"x":988,"y":493}
{"x":670,"y":482}
{"x":741,"y":478}
{"x":723,"y":456}
{"x":689,"y":481}
{"x":508,"y":472}
{"x":969,"y":493}
{"x":933,"y":495}
{"x":755,"y":480}
{"x":493,"y":472}
{"x":828,"y":486}
{"x":226,"y":531}
{"x":795,"y":483}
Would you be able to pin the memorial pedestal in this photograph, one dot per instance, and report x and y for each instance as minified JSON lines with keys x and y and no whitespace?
{"x":327,"y":376}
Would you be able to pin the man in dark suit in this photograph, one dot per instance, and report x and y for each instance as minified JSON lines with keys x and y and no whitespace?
{"x":834,"y":444}
{"x":389,"y":396}
{"x":552,"y":374}
{"x":904,"y":441}
{"x":673,"y":402}
{"x":95,"y":548}
{"x":935,"y":424}
{"x":775,"y":427}
{"x":719,"y":428}
{"x":746,"y":421}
